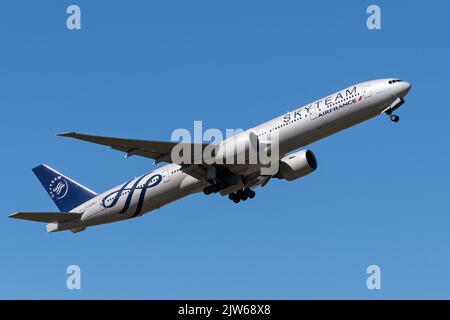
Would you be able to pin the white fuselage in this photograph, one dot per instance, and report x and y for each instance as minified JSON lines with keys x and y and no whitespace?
{"x":295,"y":129}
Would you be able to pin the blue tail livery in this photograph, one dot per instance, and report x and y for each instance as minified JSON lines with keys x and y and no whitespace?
{"x":65,"y":192}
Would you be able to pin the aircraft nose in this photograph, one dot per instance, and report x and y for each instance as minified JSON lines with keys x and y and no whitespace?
{"x":403,"y":88}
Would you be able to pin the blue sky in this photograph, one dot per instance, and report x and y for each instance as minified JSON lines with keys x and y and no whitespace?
{"x":141,"y":69}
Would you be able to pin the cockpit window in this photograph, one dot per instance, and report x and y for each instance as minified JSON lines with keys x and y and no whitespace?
{"x":394,"y":81}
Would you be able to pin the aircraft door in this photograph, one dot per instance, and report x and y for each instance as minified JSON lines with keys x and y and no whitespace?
{"x":367,"y":91}
{"x":312,"y":113}
{"x":166,"y":177}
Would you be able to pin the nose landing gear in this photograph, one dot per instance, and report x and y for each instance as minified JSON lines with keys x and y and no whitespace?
{"x":394,"y":117}
{"x":243,"y":195}
{"x":392,"y":107}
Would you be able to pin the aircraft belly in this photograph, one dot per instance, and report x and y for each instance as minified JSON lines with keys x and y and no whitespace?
{"x":170,"y":191}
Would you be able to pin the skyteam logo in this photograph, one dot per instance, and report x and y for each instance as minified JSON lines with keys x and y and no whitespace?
{"x":129,"y":189}
{"x":58,"y":188}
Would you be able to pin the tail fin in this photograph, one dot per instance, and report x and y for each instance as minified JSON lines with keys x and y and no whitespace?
{"x":65,"y":192}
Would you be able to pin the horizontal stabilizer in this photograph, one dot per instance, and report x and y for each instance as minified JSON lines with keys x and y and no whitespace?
{"x":46,"y":216}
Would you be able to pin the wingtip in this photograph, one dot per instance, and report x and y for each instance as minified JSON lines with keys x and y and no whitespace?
{"x":66,"y":134}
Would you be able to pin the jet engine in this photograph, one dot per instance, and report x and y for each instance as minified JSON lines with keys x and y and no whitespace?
{"x":297,"y":165}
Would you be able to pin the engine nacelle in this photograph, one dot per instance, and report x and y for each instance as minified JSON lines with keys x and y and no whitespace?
{"x":297,"y":165}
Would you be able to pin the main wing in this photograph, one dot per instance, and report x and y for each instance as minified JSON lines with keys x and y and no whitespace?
{"x":160,"y":151}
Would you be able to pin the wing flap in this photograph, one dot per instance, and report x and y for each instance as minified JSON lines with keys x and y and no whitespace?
{"x":46,"y":216}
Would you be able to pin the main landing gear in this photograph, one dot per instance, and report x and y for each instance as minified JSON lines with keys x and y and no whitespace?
{"x":243,"y":195}
{"x":237,"y":196}
{"x":210,"y":189}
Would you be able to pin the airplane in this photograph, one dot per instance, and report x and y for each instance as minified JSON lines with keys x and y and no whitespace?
{"x":80,"y":207}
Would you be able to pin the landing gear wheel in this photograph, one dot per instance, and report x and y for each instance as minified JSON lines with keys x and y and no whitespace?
{"x":243,"y":195}
{"x":394,"y":117}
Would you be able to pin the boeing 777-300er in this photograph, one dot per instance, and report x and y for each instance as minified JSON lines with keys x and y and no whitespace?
{"x":81,"y":207}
